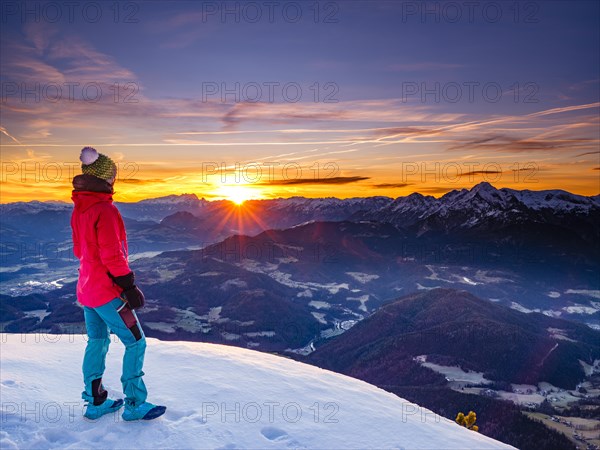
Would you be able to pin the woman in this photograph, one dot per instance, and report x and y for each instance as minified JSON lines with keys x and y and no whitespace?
{"x":106,"y":289}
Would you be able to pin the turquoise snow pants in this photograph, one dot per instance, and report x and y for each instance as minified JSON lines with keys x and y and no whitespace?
{"x":126,"y":326}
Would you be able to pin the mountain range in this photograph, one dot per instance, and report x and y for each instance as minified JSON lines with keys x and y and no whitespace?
{"x":531,"y":251}
{"x":480,"y":207}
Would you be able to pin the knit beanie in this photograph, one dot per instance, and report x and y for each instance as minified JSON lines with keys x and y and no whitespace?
{"x":97,"y":164}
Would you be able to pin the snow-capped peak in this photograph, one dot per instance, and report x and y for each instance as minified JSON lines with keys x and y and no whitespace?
{"x":35,"y":206}
{"x":172,"y":199}
{"x":555,"y":199}
{"x":484,"y":186}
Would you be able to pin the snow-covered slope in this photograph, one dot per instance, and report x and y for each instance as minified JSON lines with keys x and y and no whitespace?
{"x":217,"y":397}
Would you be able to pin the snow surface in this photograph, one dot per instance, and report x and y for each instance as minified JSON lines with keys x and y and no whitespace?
{"x":217,"y":397}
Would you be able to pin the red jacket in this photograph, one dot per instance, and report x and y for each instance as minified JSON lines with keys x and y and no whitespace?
{"x":100,"y":244}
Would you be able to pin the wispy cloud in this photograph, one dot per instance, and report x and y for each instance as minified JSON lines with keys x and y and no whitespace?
{"x":511,"y":144}
{"x":280,"y":113}
{"x":478,"y":172}
{"x":6,"y":133}
{"x":588,"y":153}
{"x":565,"y":109}
{"x":46,"y":56}
{"x":332,"y":180}
{"x":391,"y":185}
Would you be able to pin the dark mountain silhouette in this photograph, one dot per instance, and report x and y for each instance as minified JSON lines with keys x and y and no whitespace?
{"x":460,"y":329}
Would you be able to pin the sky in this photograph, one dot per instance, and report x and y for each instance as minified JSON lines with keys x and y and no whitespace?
{"x":277,"y":99}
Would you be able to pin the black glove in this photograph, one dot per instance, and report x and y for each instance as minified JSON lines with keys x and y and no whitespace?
{"x":131,"y":293}
{"x":134,"y":297}
{"x":124,"y":281}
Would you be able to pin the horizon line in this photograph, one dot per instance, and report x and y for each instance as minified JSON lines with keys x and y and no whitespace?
{"x":223,"y":198}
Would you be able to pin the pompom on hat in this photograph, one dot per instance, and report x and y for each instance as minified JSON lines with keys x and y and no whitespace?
{"x":97,"y":164}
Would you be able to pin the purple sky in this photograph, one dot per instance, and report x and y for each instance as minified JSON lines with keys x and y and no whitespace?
{"x":374,"y":89}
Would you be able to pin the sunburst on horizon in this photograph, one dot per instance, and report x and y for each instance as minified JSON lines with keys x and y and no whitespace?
{"x":238,"y":193}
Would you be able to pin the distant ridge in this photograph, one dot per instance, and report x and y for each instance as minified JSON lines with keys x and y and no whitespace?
{"x":461,"y":329}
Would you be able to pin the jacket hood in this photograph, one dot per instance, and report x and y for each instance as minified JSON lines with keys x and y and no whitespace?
{"x":89,"y":190}
{"x":85,"y":199}
{"x":87,"y":182}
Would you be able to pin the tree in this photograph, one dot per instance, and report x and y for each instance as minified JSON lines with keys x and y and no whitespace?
{"x":467,"y":421}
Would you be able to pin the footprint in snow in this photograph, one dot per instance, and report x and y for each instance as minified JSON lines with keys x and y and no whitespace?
{"x":58,"y":436}
{"x":272,"y":433}
{"x":280,"y":436}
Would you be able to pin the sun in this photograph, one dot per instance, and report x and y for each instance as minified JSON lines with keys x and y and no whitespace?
{"x":237,"y":194}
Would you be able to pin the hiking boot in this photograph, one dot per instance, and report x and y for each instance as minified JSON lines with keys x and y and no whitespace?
{"x":96,"y":411}
{"x":143,"y":411}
